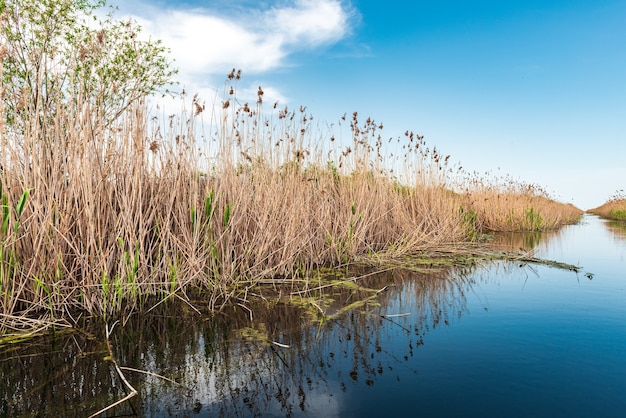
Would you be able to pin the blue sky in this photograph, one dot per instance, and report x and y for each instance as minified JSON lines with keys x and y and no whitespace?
{"x":533,"y":89}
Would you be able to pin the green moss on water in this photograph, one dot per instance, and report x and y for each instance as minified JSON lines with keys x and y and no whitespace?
{"x":252,"y":334}
{"x":9,"y":342}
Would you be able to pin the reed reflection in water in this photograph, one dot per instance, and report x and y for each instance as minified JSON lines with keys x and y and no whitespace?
{"x":228,"y":366}
{"x":502,"y":339}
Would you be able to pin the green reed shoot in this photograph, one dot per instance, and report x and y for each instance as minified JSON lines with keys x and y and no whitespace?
{"x":5,"y":213}
{"x":40,"y":285}
{"x":226,"y":218}
{"x":208,"y":206}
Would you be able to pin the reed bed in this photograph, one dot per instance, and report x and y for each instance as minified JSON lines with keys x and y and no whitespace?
{"x":503,"y":204}
{"x":100,"y":215}
{"x":613,"y":208}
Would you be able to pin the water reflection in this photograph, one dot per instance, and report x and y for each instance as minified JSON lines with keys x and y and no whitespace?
{"x":531,"y":242}
{"x":499,"y":340}
{"x":230,"y":366}
{"x":518,"y":241}
{"x":617,"y":229}
{"x":63,"y":376}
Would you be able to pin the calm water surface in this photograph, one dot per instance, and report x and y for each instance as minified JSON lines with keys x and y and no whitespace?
{"x":503,"y":339}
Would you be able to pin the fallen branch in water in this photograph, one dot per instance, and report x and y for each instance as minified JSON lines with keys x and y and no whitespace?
{"x":477,"y":255}
{"x":152,"y":374}
{"x":550,"y":263}
{"x":131,"y":389}
{"x":396,"y":315}
{"x":280,"y":344}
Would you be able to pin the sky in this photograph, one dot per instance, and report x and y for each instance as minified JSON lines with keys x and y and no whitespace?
{"x":533,"y":89}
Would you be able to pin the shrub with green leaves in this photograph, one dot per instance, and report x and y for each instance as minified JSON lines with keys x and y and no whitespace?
{"x":58,"y":55}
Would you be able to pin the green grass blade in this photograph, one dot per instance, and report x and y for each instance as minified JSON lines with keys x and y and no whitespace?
{"x":226,"y":215}
{"x":22,"y":202}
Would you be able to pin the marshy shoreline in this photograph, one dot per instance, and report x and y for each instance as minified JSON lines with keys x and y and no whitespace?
{"x":614,"y":208}
{"x":108,"y":202}
{"x":106,"y":216}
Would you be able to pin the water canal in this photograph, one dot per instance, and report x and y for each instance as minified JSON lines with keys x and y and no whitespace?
{"x":501,"y":339}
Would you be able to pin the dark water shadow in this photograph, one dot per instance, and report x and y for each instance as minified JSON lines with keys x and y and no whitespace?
{"x":276,"y":359}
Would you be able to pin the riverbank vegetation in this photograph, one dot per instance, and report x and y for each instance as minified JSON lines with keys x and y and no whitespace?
{"x":613,"y":208}
{"x":503,"y":204}
{"x":105,"y":205}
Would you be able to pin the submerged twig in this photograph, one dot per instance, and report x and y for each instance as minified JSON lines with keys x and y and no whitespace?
{"x":348,"y":280}
{"x":151,"y":374}
{"x":246,"y":308}
{"x":396,"y":315}
{"x":551,"y":263}
{"x":132,"y":390}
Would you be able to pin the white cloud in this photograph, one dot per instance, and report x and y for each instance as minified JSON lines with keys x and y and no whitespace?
{"x":206,"y":44}
{"x":310,"y":22}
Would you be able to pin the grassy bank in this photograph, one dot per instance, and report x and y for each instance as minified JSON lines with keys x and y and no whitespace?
{"x":502,"y":204}
{"x":97,"y":216}
{"x":613,"y":208}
